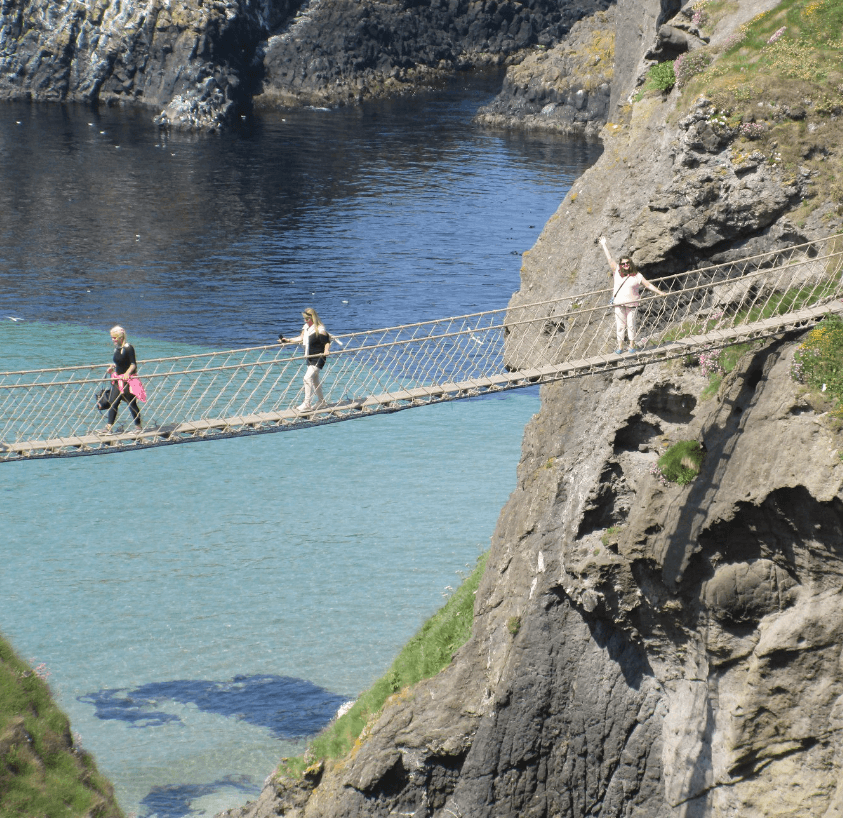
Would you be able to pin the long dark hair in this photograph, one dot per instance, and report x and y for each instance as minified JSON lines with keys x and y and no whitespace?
{"x":632,"y":268}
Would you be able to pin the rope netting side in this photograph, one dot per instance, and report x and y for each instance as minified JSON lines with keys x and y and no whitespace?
{"x":714,"y":300}
{"x":237,"y":389}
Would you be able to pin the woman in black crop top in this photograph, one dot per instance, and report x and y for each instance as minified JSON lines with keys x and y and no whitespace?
{"x":317,"y":344}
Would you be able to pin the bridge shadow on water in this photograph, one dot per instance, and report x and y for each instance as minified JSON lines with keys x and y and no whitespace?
{"x":173,"y":801}
{"x":288,"y":707}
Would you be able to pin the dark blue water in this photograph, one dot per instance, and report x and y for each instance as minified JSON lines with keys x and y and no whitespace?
{"x":395,"y":212}
{"x":204,"y":609}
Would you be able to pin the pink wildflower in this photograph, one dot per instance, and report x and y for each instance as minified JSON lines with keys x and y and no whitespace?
{"x":710,"y":363}
{"x":776,"y":35}
{"x":659,"y":474}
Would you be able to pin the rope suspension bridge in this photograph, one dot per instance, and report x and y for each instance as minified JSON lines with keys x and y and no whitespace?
{"x":52,"y":412}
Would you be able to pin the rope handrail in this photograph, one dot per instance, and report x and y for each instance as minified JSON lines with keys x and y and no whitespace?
{"x":51,"y":413}
{"x":301,"y":356}
{"x":498,"y":311}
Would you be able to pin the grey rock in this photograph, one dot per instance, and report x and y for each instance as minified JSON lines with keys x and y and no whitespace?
{"x":565,"y":89}
{"x":197,"y":59}
{"x":671,"y":41}
{"x":340,"y":52}
{"x":200,"y":64}
{"x":744,"y":592}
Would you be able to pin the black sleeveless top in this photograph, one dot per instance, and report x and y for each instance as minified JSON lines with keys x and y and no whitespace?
{"x":316,"y":344}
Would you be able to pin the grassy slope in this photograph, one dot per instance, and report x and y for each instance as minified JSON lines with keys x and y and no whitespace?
{"x":42,"y":773}
{"x":777,"y":84}
{"x":425,"y":655}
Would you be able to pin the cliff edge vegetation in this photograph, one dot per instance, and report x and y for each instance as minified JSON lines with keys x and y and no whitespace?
{"x":425,"y":655}
{"x":43,"y":771}
{"x":776,"y":85}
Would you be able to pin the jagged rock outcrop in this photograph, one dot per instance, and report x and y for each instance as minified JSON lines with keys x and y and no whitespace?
{"x":677,"y":649}
{"x":573,"y":87}
{"x":566,"y":89}
{"x":200,"y":64}
{"x":336,"y":52}
{"x":197,"y":60}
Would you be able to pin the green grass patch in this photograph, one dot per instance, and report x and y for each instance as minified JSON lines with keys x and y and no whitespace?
{"x":610,"y":535}
{"x":426,"y":654}
{"x":659,"y":78}
{"x":42,"y":773}
{"x":782,"y":303}
{"x":818,"y":363}
{"x":798,"y":40}
{"x":718,"y":363}
{"x":681,"y":463}
{"x":767,"y":306}
{"x":729,"y":356}
{"x":774,"y":83}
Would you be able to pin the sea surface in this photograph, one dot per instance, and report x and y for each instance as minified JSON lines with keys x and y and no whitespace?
{"x":202,"y":609}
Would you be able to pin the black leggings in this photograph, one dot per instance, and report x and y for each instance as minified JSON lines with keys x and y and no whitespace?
{"x":126,"y":395}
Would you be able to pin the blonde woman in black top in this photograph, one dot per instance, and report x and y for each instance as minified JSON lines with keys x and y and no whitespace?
{"x":123,"y":369}
{"x":317,"y":344}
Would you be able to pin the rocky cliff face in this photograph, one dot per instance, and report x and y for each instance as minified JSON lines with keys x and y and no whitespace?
{"x":678,"y":648}
{"x":200,"y":64}
{"x":642,"y":649}
{"x":572,"y":87}
{"x":192,"y":59}
{"x":565,"y":89}
{"x":338,"y":52}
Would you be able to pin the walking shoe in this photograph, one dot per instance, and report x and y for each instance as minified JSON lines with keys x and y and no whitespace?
{"x":618,"y":352}
{"x":632,"y":349}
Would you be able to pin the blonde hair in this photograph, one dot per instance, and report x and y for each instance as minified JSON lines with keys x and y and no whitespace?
{"x":313,"y":316}
{"x":117,"y":330}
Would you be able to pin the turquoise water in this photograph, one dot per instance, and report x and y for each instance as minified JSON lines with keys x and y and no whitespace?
{"x":203,"y":608}
{"x":310,"y":555}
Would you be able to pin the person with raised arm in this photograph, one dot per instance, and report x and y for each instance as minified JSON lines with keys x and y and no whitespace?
{"x":626,"y":293}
